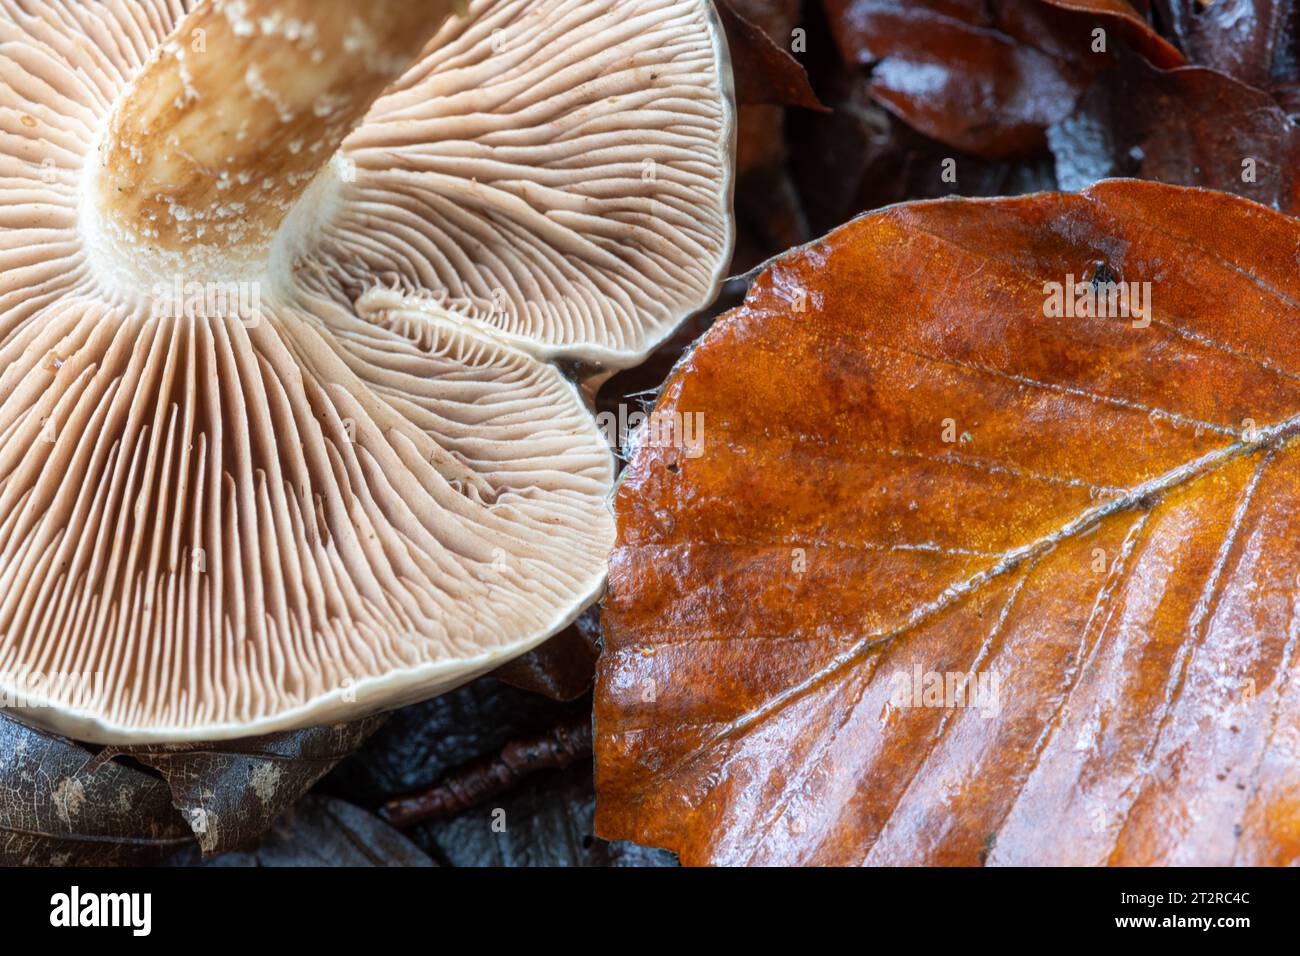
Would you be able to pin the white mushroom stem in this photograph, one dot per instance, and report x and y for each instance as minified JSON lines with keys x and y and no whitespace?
{"x":222,"y":131}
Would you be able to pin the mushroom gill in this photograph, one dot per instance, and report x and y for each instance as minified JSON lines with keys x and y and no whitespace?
{"x":281,"y":442}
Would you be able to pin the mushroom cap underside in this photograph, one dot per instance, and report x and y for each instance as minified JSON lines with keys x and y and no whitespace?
{"x":352,"y":478}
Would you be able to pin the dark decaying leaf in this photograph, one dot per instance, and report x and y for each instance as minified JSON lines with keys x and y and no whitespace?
{"x":861,"y":157}
{"x":563,"y":667}
{"x":764,"y":73}
{"x":419,"y":744}
{"x":768,"y":216}
{"x":1136,"y":27}
{"x":548,"y":820}
{"x":633,"y":390}
{"x":232,"y":791}
{"x":1253,"y":41}
{"x":984,"y":78}
{"x":1189,"y":126}
{"x":63,"y":801}
{"x":915,"y":467}
{"x":547,"y":823}
{"x":56,"y":809}
{"x":321,"y":831}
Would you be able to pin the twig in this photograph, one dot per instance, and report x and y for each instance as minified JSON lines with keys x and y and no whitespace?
{"x":472,"y":784}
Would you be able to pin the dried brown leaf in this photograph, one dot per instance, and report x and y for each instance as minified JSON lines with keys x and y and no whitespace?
{"x":912,"y":469}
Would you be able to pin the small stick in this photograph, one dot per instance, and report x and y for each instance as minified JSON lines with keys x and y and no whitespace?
{"x":472,"y":784}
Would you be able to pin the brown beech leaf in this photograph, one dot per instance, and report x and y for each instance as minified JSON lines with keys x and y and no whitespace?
{"x":1189,"y":127}
{"x":764,"y":72}
{"x":911,"y":473}
{"x":985,"y":76}
{"x":861,"y":156}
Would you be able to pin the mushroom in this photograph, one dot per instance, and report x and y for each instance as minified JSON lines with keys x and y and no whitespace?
{"x":283,"y":286}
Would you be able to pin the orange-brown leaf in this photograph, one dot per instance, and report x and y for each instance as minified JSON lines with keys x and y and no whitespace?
{"x":1111,"y":534}
{"x":763,"y":72}
{"x":1143,"y":36}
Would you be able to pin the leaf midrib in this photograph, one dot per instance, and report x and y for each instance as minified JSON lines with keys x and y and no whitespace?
{"x":1143,"y":496}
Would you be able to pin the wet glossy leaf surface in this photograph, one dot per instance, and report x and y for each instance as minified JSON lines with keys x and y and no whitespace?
{"x":911,"y":470}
